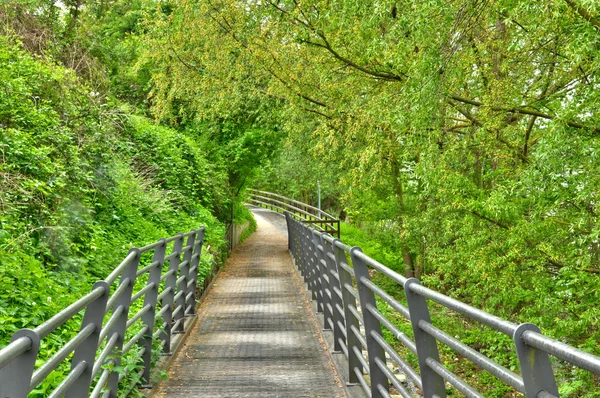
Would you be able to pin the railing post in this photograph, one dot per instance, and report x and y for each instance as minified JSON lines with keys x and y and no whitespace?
{"x":290,"y":232}
{"x":86,"y":352}
{"x":302,"y":254}
{"x":168,"y":299}
{"x":372,"y":325}
{"x":16,"y":375}
{"x":182,"y":284}
{"x":293,"y":237}
{"x":536,"y":369}
{"x":120,"y":326}
{"x":352,"y":342}
{"x":325,"y":279}
{"x":316,"y":269}
{"x":299,"y":246}
{"x":336,"y":300}
{"x":433,"y":384}
{"x":193,"y":283}
{"x":148,"y":318}
{"x":309,"y":276}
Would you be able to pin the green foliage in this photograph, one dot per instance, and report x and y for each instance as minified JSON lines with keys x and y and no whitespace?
{"x":464,"y":136}
{"x":243,"y":216}
{"x":296,"y":174}
{"x":240,"y":148}
{"x":459,"y":138}
{"x":76,"y":194}
{"x":175,"y":161}
{"x":86,"y":174}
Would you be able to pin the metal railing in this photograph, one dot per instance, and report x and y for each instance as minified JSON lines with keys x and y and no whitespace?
{"x":308,"y":214}
{"x":161,"y":293}
{"x":338,"y":285}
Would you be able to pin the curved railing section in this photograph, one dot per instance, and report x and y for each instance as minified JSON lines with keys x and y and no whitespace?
{"x":137,"y":307}
{"x":340,"y":280}
{"x":303,"y":212}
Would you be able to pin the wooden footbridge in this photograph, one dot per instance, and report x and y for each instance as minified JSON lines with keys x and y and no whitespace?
{"x":294,"y":312}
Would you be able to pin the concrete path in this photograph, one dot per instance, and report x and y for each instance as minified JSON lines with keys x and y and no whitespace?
{"x":256,"y":335}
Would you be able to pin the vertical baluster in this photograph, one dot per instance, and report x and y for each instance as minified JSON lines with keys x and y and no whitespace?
{"x":120,"y":326}
{"x":324,"y":277}
{"x":86,"y":352}
{"x":288,"y":223}
{"x":194,"y":271}
{"x":302,"y":253}
{"x":182,"y":284}
{"x":315,"y":269}
{"x":16,"y":375}
{"x":298,"y":244}
{"x":308,"y":262}
{"x":336,"y":300}
{"x":433,"y":384}
{"x":292,"y":238}
{"x":372,"y":325}
{"x":352,"y":341}
{"x":535,"y":365}
{"x":149,"y":318}
{"x":168,"y":299}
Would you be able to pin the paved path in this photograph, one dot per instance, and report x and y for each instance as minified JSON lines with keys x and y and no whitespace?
{"x":256,"y":335}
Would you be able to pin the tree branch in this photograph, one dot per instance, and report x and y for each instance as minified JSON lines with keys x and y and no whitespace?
{"x":318,"y":113}
{"x":229,"y":30}
{"x":584,"y":13}
{"x":381,"y":75}
{"x":523,"y":111}
{"x":337,"y":55}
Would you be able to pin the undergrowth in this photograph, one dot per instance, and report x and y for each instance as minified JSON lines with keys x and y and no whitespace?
{"x":572,"y":382}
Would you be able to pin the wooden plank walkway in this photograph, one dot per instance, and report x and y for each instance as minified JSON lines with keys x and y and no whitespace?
{"x":256,"y":335}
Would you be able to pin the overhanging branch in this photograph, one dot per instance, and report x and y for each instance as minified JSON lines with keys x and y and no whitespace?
{"x":523,"y":111}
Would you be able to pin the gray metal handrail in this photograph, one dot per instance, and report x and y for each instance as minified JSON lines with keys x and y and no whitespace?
{"x":308,"y":214}
{"x":323,"y":263}
{"x":112,"y":325}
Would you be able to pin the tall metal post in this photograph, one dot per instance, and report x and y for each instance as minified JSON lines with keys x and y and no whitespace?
{"x":290,"y":229}
{"x":372,"y":325}
{"x":433,"y":384}
{"x":86,"y":352}
{"x":325,"y":278}
{"x":316,"y":269}
{"x":16,"y":376}
{"x":302,"y":252}
{"x":535,"y":365}
{"x":182,"y":285}
{"x":352,"y":342}
{"x":149,"y":317}
{"x":124,"y":301}
{"x":193,"y":283}
{"x":168,"y":299}
{"x":309,"y":263}
{"x":336,"y":298}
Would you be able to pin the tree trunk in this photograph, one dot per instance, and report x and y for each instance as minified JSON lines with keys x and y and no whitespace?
{"x":409,"y":265}
{"x":407,"y":254}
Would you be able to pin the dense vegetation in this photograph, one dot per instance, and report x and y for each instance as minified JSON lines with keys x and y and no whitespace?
{"x":459,"y":138}
{"x":87,"y":170}
{"x":461,"y":135}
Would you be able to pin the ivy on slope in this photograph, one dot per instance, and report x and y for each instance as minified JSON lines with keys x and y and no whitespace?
{"x":82,"y":181}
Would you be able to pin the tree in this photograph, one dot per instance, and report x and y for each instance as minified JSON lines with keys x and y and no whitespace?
{"x":477,"y":119}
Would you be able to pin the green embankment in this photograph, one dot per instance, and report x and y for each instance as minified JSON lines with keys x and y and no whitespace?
{"x":82,"y":182}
